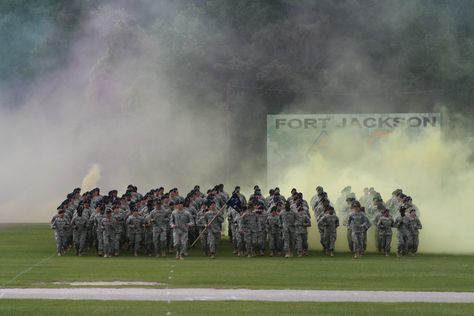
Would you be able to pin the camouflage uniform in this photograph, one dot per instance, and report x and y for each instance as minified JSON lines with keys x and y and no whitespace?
{"x":249,"y":225}
{"x":287,"y":220}
{"x":201,"y":223}
{"x":415,"y":226}
{"x":160,"y":219}
{"x":384,"y":229}
{"x":108,"y":230}
{"x":119,"y":223}
{"x":61,"y":228}
{"x":358,"y":224}
{"x":214,"y":229}
{"x":273,"y":228}
{"x":80,"y":228}
{"x":329,"y":223}
{"x":261,"y":232}
{"x":402,"y":223}
{"x":180,"y":221}
{"x":96,"y":220}
{"x":302,"y":222}
{"x":135,"y":231}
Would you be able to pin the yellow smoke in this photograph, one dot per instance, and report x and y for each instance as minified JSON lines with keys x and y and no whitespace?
{"x":434,"y":171}
{"x":92,"y":178}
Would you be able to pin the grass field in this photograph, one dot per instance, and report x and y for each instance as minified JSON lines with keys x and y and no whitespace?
{"x":57,"y":307}
{"x":24,"y":245}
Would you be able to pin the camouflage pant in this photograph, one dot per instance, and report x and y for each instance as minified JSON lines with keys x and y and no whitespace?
{"x":402,"y":247}
{"x":100,"y":242}
{"x":213,"y":241}
{"x":160,"y":235}
{"x":301,"y":238}
{"x":79,"y":237}
{"x":250,"y":239}
{"x":260,"y":242}
{"x":61,"y":243}
{"x":109,"y":242}
{"x":329,"y":240}
{"x":204,"y":242}
{"x":180,"y":241}
{"x":288,"y":240}
{"x":378,"y":240}
{"x":358,"y":242}
{"x":413,"y":243}
{"x":349,"y":240}
{"x":134,"y":239}
{"x":384,"y":241}
{"x":117,"y":241}
{"x":274,"y":241}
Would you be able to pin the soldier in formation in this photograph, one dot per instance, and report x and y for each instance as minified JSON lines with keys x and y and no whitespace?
{"x":158,"y":222}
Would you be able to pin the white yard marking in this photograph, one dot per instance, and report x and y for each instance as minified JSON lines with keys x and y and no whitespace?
{"x":205,"y":294}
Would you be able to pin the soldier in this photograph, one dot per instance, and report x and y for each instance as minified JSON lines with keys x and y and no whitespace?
{"x":79,"y":225}
{"x":369,"y":224}
{"x":119,"y":222}
{"x":346,"y":213}
{"x":287,"y":220}
{"x":231,"y":219}
{"x":95,"y":221}
{"x":202,"y":225}
{"x":160,"y":218}
{"x":329,"y":222}
{"x":180,"y":222}
{"x":319,"y":213}
{"x":108,"y":230}
{"x":402,"y":223}
{"x":60,"y":226}
{"x":415,"y":226}
{"x":316,"y":198}
{"x":302,"y":222}
{"x":135,"y":224}
{"x":273,"y":228}
{"x":261,"y":229}
{"x":213,"y":220}
{"x":393,"y":204}
{"x":249,"y":228}
{"x":384,"y":229}
{"x":357,"y":222}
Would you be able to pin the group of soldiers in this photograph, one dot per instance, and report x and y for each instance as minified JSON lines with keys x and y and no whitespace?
{"x":159,"y":223}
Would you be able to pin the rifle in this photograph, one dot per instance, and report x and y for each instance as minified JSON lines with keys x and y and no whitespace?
{"x":209,"y":224}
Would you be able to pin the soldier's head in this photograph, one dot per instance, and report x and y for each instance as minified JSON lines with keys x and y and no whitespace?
{"x":386,"y":212}
{"x":325,"y":202}
{"x":412,"y":213}
{"x":237,"y":189}
{"x":61,"y":212}
{"x":349,"y":201}
{"x":366,"y":190}
{"x":402,"y":211}
{"x":179,"y":204}
{"x":319,"y":189}
{"x":346,"y":190}
{"x":108,"y":212}
{"x":355,"y":206}
{"x":157,"y":203}
{"x":211,"y":204}
{"x":274,"y":211}
{"x":135,"y":211}
{"x":271,"y":192}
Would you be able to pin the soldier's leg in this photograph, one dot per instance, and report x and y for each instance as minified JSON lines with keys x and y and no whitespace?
{"x":117,"y":242}
{"x":299,"y":244}
{"x":156,"y":241}
{"x":388,"y":242}
{"x":211,"y":243}
{"x":82,"y":242}
{"x":356,"y":247}
{"x":305,"y":243}
{"x":400,"y":245}
{"x":184,"y":244}
{"x":332,"y":242}
{"x":349,"y":240}
{"x":415,"y":243}
{"x":364,"y":241}
{"x":100,"y":243}
{"x":163,"y":242}
{"x":138,"y":240}
{"x":322,"y":239}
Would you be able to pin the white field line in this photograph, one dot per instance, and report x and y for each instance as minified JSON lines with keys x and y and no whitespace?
{"x":27,"y":270}
{"x":205,"y":294}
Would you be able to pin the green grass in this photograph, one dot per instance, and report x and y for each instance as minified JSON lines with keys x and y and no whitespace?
{"x":60,"y":307}
{"x":22,"y":246}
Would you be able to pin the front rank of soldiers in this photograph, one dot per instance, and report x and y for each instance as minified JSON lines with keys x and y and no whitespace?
{"x":159,"y":223}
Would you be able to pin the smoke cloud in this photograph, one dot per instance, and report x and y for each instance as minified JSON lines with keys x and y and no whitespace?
{"x":436,"y":171}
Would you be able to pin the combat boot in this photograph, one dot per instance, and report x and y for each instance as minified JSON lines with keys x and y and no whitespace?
{"x":332,"y":254}
{"x":177,"y":255}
